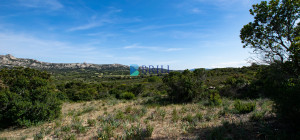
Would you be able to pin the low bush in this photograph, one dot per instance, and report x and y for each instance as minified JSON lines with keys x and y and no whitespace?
{"x":154,"y":79}
{"x":91,"y":122}
{"x":281,"y":83}
{"x":138,"y":133}
{"x":175,"y":116}
{"x":234,"y":85}
{"x":77,"y":125}
{"x":115,"y":93}
{"x":198,"y":117}
{"x":258,"y":115}
{"x":127,"y":96}
{"x":106,"y":132}
{"x":80,"y":91}
{"x":215,"y":99}
{"x":137,"y":89}
{"x":189,"y":118}
{"x":243,"y":108}
{"x":184,"y":87}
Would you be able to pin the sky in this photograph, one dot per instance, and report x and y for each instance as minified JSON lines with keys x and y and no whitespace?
{"x":183,"y":34}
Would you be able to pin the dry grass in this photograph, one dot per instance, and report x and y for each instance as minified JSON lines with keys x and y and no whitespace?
{"x":85,"y":120}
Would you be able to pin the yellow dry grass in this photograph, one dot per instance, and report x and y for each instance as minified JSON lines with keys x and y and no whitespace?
{"x":161,"y":118}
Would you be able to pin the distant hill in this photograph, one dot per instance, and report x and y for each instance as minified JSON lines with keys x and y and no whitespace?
{"x":11,"y":61}
{"x":70,"y":71}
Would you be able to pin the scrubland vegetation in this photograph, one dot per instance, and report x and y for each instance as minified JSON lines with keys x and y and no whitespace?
{"x":174,"y":106}
{"x":255,"y":102}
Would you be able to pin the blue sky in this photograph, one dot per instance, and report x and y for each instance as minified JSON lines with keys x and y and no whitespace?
{"x":179,"y":33}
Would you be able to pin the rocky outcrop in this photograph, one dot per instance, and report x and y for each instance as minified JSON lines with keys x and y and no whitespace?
{"x":11,"y":61}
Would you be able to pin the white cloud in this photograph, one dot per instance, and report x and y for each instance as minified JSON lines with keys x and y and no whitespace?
{"x":155,"y":27}
{"x":193,"y":6}
{"x":51,"y":4}
{"x":136,"y":46}
{"x":24,"y":45}
{"x":90,"y":25}
{"x":130,"y":58}
{"x":168,"y":62}
{"x":96,"y":21}
{"x":195,"y":34}
{"x":173,"y":49}
{"x":228,"y":3}
{"x":230,"y":64}
{"x":196,"y":10}
{"x":153,"y":48}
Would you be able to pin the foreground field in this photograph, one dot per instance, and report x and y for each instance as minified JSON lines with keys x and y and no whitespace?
{"x":150,"y":119}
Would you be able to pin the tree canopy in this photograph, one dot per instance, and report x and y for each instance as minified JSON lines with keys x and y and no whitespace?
{"x":274,"y":33}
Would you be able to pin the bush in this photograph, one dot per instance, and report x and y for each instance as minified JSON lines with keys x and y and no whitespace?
{"x":189,"y":118}
{"x":234,"y":85}
{"x":137,"y":89}
{"x":127,"y":95}
{"x":175,"y":116}
{"x":91,"y":122}
{"x":183,"y":87}
{"x":80,"y":91}
{"x":28,"y":98}
{"x":154,"y":79}
{"x":244,"y":108}
{"x":281,"y":83}
{"x":258,"y":115}
{"x":106,"y":133}
{"x":198,"y":116}
{"x":115,"y":92}
{"x":138,"y":133}
{"x":215,"y":99}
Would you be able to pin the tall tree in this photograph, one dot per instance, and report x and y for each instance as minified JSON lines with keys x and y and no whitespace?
{"x":274,"y":31}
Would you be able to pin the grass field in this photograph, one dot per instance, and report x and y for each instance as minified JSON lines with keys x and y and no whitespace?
{"x":121,"y":119}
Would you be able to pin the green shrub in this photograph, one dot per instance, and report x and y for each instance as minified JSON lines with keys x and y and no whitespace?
{"x":120,"y":115}
{"x":138,"y":133}
{"x":115,"y":92}
{"x":70,"y":137}
{"x":79,"y":91}
{"x":188,"y":118}
{"x":28,"y":98}
{"x":233,"y":85}
{"x":106,"y":132}
{"x":175,"y":116}
{"x":258,"y":115}
{"x":91,"y":122}
{"x":127,"y":95}
{"x":198,"y":116}
{"x":128,"y":109}
{"x":281,"y":83}
{"x":154,"y":79}
{"x":77,"y":125}
{"x":85,"y":110}
{"x":183,"y":87}
{"x":39,"y":136}
{"x":137,"y":89}
{"x":225,"y":111}
{"x":66,"y":128}
{"x":162,"y":113}
{"x":215,"y":99}
{"x":243,"y":108}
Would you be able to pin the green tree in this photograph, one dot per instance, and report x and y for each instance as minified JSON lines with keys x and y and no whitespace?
{"x":273,"y":32}
{"x":27,"y":97}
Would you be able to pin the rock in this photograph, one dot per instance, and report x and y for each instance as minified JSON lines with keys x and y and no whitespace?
{"x":11,"y":61}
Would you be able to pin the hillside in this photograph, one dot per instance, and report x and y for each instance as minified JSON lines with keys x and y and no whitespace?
{"x":11,"y":61}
